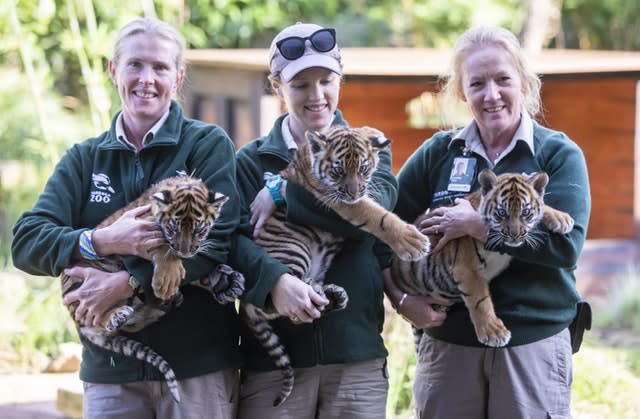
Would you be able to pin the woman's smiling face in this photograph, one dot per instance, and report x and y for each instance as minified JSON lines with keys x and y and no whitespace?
{"x":492,"y":88}
{"x":311,"y":98}
{"x":146,"y":76}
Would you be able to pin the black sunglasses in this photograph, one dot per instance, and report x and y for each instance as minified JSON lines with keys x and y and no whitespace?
{"x":322,"y":40}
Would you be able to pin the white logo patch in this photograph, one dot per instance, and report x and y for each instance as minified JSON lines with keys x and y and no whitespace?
{"x":105,"y":190}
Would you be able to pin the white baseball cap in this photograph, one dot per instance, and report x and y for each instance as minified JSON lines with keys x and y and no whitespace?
{"x":312,"y":37}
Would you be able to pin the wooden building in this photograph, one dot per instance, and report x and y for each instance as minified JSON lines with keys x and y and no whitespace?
{"x":590,"y":95}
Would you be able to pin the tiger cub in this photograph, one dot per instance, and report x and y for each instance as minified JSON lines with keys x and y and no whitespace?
{"x":511,"y":205}
{"x":185,"y":210}
{"x":337,"y":168}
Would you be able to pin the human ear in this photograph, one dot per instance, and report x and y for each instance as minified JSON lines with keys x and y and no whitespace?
{"x":112,"y":72}
{"x":275,"y":85}
{"x":179,"y":78}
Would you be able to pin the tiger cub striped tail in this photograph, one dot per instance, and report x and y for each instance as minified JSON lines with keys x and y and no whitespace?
{"x":258,"y":322}
{"x":132,"y":348}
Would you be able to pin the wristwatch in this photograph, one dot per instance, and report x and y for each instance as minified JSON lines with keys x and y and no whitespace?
{"x":273,"y":185}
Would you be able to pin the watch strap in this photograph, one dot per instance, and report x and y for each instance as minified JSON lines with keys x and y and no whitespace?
{"x":273,"y":185}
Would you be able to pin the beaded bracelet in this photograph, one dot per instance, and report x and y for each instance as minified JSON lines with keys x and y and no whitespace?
{"x":87,"y":251}
{"x":404,"y":297}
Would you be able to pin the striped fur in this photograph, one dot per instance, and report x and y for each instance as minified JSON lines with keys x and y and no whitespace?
{"x":512,"y":206}
{"x":185,"y":210}
{"x":336,"y":168}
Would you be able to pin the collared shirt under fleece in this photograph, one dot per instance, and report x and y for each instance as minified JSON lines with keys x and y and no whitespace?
{"x":536,"y":295}
{"x":349,"y":335}
{"x":102,"y":174}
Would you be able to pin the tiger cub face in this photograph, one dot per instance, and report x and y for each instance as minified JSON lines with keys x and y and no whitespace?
{"x":512,"y":205}
{"x":185,"y":210}
{"x":344,"y":159}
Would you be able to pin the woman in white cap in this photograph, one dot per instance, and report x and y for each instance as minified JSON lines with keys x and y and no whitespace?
{"x":339,"y":359}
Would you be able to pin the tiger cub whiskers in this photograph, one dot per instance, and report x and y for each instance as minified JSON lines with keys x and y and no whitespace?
{"x":512,"y":206}
{"x":186,"y":211}
{"x":337,"y":168}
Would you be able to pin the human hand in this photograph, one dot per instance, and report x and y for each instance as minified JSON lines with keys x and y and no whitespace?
{"x":296,"y":300}
{"x":99,"y":292}
{"x":451,"y":222}
{"x":131,"y":234}
{"x":424,"y":312}
{"x":261,"y":208}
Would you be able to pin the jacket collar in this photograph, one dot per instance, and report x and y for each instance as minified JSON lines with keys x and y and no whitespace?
{"x":166,"y":133}
{"x":122,"y":136}
{"x":470,"y":138}
{"x":274,"y":143}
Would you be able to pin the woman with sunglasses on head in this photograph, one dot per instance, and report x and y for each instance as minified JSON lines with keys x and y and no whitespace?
{"x":339,"y":359}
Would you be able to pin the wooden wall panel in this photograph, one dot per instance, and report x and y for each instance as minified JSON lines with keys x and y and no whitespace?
{"x":381,"y":104}
{"x":599,"y":115}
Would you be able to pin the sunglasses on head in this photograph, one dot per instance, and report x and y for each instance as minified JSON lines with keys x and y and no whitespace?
{"x":322,"y":40}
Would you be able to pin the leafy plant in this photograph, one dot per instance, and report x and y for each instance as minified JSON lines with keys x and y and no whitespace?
{"x":621,"y":307}
{"x":401,"y":364}
{"x":599,"y":392}
{"x":33,"y":318}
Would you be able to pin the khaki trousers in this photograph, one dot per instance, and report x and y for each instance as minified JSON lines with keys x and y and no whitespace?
{"x":213,"y":396}
{"x":348,"y":391}
{"x":529,"y":381}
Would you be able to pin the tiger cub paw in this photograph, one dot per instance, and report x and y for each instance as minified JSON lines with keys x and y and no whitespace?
{"x":337,"y":297}
{"x":493,"y":333}
{"x":560,"y":222}
{"x":118,"y":318}
{"x":224,"y":283}
{"x":166,"y":278}
{"x":412,"y":245}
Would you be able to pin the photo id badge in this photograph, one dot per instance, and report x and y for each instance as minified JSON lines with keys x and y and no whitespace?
{"x":462,"y":174}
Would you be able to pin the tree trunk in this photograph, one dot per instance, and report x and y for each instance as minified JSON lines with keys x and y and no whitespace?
{"x":541,"y":24}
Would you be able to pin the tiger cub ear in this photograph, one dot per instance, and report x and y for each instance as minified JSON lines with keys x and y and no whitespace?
{"x":376,"y":137}
{"x":217,"y":198}
{"x":163,"y":196}
{"x":316,"y":140}
{"x":539,"y":181}
{"x":487,"y":180}
{"x":216,"y":201}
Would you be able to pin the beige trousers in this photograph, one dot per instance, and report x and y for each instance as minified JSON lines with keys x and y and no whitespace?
{"x":529,"y":381}
{"x":213,"y":395}
{"x":355,"y":391}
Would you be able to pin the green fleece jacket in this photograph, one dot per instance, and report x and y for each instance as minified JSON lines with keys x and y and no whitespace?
{"x":536,"y":295}
{"x":349,"y":335}
{"x":97,"y":177}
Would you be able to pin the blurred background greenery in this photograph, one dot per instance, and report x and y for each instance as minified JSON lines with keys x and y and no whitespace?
{"x":56,"y":92}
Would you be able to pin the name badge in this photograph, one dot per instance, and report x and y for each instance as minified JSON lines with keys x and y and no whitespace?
{"x":462,"y":174}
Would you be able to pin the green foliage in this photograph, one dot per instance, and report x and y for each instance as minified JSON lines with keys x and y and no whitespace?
{"x":600,"y":24}
{"x":401,"y":364}
{"x":621,"y":308}
{"x":245,"y":24}
{"x":32,"y":317}
{"x":609,"y":392}
{"x":21,"y":128}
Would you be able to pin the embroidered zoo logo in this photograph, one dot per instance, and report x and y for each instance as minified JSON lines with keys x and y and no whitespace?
{"x":103,"y":184}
